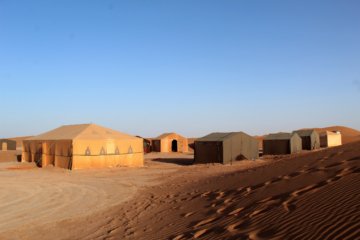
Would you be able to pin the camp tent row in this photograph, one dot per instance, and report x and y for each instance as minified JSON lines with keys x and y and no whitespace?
{"x":309,"y":139}
{"x":84,"y":146}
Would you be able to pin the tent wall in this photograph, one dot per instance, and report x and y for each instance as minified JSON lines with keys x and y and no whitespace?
{"x":107,"y":153}
{"x":330,"y":140}
{"x":44,"y":153}
{"x":295,"y":144}
{"x":156,"y":145}
{"x":6,"y":144}
{"x":208,"y":152}
{"x":315,"y":140}
{"x":276,"y":147}
{"x":334,"y":140}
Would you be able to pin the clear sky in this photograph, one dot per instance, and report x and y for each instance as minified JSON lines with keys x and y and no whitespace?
{"x":189,"y":66}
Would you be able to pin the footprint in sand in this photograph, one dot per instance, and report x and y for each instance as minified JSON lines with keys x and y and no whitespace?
{"x":179,"y":237}
{"x":236,"y":211}
{"x":200,"y":233}
{"x":204,"y":222}
{"x":188,"y":214}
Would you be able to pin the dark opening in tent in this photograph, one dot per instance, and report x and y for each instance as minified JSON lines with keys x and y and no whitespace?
{"x":310,"y":139}
{"x":174,"y":146}
{"x":282,"y":143}
{"x":225,"y":148}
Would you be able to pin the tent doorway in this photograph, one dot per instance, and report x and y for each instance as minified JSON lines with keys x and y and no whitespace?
{"x":174,"y":146}
{"x":4,"y":146}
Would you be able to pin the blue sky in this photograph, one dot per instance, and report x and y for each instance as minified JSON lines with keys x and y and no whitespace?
{"x":194,"y":67}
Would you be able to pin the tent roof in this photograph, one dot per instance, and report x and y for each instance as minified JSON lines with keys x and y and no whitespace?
{"x":279,"y":136}
{"x":81,"y":131}
{"x":167,"y":135}
{"x":218,"y":136}
{"x":304,"y":133}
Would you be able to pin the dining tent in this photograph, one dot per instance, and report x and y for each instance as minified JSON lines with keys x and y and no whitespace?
{"x":84,"y":146}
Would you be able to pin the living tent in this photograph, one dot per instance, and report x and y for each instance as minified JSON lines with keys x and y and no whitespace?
{"x":170,"y":142}
{"x":330,"y":139}
{"x":7,"y":144}
{"x":282,"y":143}
{"x":310,"y":139}
{"x":84,"y":146}
{"x":225,"y":148}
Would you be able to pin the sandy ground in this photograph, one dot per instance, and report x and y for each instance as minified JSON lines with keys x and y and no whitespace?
{"x":40,"y":203}
{"x":306,"y":196}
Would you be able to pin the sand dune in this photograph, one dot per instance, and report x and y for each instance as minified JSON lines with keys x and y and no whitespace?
{"x":314,"y":196}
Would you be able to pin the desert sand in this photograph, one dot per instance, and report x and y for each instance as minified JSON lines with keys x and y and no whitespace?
{"x":313,"y":195}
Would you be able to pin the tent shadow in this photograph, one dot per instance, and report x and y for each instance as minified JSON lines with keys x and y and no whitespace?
{"x":177,"y":161}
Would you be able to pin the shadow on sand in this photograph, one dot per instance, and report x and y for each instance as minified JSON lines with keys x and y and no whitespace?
{"x":177,"y":161}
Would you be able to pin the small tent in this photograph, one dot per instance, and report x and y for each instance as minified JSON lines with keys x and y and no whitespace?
{"x":310,"y":139}
{"x":84,"y":146}
{"x":225,"y":148}
{"x":7,"y":144}
{"x":282,"y":143}
{"x":330,"y":139}
{"x":170,"y":142}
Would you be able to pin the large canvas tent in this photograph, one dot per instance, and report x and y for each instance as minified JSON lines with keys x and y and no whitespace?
{"x":170,"y":142}
{"x":84,"y":146}
{"x":282,"y":143}
{"x":310,"y":139}
{"x":330,"y":139}
{"x":7,"y":144}
{"x":225,"y":148}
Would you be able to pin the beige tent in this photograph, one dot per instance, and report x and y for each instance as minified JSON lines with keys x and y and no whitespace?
{"x":170,"y":142}
{"x":282,"y":143}
{"x":84,"y":146}
{"x":330,"y":139}
{"x":225,"y":148}
{"x":7,"y":144}
{"x":310,"y":139}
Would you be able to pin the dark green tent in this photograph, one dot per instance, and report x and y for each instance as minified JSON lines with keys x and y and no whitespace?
{"x":282,"y":143}
{"x":225,"y":148}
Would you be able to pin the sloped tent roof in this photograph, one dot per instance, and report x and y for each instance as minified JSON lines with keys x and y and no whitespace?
{"x":218,"y":137}
{"x":305,"y":133}
{"x":81,"y":131}
{"x":279,"y":136}
{"x":165,"y":135}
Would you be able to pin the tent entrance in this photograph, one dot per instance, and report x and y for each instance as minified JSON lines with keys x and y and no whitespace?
{"x":4,"y":146}
{"x":174,"y":146}
{"x":306,"y":143}
{"x":38,"y":157}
